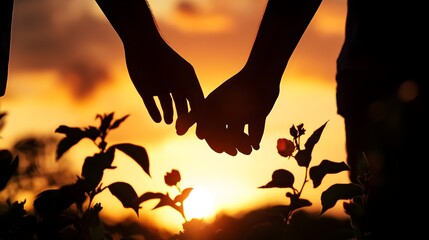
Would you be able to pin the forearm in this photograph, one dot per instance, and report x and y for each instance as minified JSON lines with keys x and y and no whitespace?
{"x":282,"y":26}
{"x":131,"y":19}
{"x":6,"y":9}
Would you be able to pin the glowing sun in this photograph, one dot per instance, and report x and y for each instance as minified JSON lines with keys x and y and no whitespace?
{"x":199,"y":204}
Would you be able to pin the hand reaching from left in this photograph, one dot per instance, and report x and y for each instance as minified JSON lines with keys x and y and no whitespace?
{"x":244,"y":99}
{"x":155,"y":69}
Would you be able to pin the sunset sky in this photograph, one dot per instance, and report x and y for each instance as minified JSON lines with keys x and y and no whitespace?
{"x":67,"y":65}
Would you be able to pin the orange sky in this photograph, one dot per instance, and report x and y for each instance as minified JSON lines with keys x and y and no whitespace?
{"x":67,"y":65}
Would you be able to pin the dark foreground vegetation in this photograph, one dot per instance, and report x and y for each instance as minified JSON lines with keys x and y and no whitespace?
{"x":66,"y":208}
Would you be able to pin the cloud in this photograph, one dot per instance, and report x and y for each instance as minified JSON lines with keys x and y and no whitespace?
{"x":62,"y":36}
{"x":194,"y":17}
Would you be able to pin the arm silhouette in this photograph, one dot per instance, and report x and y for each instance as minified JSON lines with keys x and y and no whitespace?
{"x":6,"y":9}
{"x":248,"y":97}
{"x":155,"y":69}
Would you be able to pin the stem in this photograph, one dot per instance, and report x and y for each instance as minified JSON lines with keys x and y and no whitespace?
{"x":305,"y":181}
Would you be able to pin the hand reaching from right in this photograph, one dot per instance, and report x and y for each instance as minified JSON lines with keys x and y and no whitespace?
{"x":155,"y":69}
{"x":245,"y":99}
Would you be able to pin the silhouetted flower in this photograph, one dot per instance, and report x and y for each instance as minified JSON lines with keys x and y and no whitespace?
{"x":172,"y":178}
{"x":285,"y":147}
{"x":8,"y":167}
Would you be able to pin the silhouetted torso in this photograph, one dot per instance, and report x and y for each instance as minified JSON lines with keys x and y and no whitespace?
{"x":382,"y":37}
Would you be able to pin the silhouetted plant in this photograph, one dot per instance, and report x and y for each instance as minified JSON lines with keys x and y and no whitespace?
{"x":54,"y":218}
{"x":8,"y":162}
{"x":50,"y":204}
{"x":14,"y":219}
{"x":356,"y":206}
{"x":172,"y":179}
{"x":283,"y":178}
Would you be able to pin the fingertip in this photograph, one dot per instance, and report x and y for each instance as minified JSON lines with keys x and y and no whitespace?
{"x":152,"y":109}
{"x":256,"y":146}
{"x":256,"y":131}
{"x":155,"y":115}
{"x":157,"y":118}
{"x":247,"y":150}
{"x":199,"y":132}
{"x":215,"y":146}
{"x":243,"y":144}
{"x":232,"y":152}
{"x":168,"y":120}
{"x":183,"y":123}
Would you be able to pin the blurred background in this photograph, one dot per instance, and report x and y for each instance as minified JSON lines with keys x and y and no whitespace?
{"x":67,"y":65}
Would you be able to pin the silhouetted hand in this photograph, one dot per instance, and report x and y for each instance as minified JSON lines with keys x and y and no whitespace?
{"x":248,"y":97}
{"x":244,"y":99}
{"x":155,"y":69}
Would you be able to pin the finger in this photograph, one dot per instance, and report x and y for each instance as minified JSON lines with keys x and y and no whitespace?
{"x":229,"y":149}
{"x":167,"y":107}
{"x":151,"y":107}
{"x":239,"y":139}
{"x":214,"y":134}
{"x":202,"y":129}
{"x":217,"y":146}
{"x":187,"y":120}
{"x":207,"y":128}
{"x":218,"y":141}
{"x":184,"y":122}
{"x":194,"y":92}
{"x":256,"y":131}
{"x":180,"y":103}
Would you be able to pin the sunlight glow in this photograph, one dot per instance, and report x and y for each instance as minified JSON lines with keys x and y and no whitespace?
{"x":199,"y":204}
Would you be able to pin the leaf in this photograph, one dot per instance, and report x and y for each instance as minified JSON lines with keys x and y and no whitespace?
{"x":314,"y":138}
{"x":92,"y":165}
{"x":52,"y":202}
{"x":149,"y":196}
{"x":165,"y":200}
{"x":91,"y":132}
{"x":182,"y":197}
{"x":108,"y":158}
{"x":8,"y":167}
{"x":338,"y":192}
{"x":280,"y":178}
{"x":303,"y":157}
{"x":293,"y":131}
{"x":2,"y":114}
{"x":73,"y":136}
{"x":317,"y":173}
{"x":105,"y":121}
{"x":118,"y":122}
{"x":92,"y":172}
{"x":299,"y":203}
{"x":126,"y":194}
{"x":137,"y":153}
